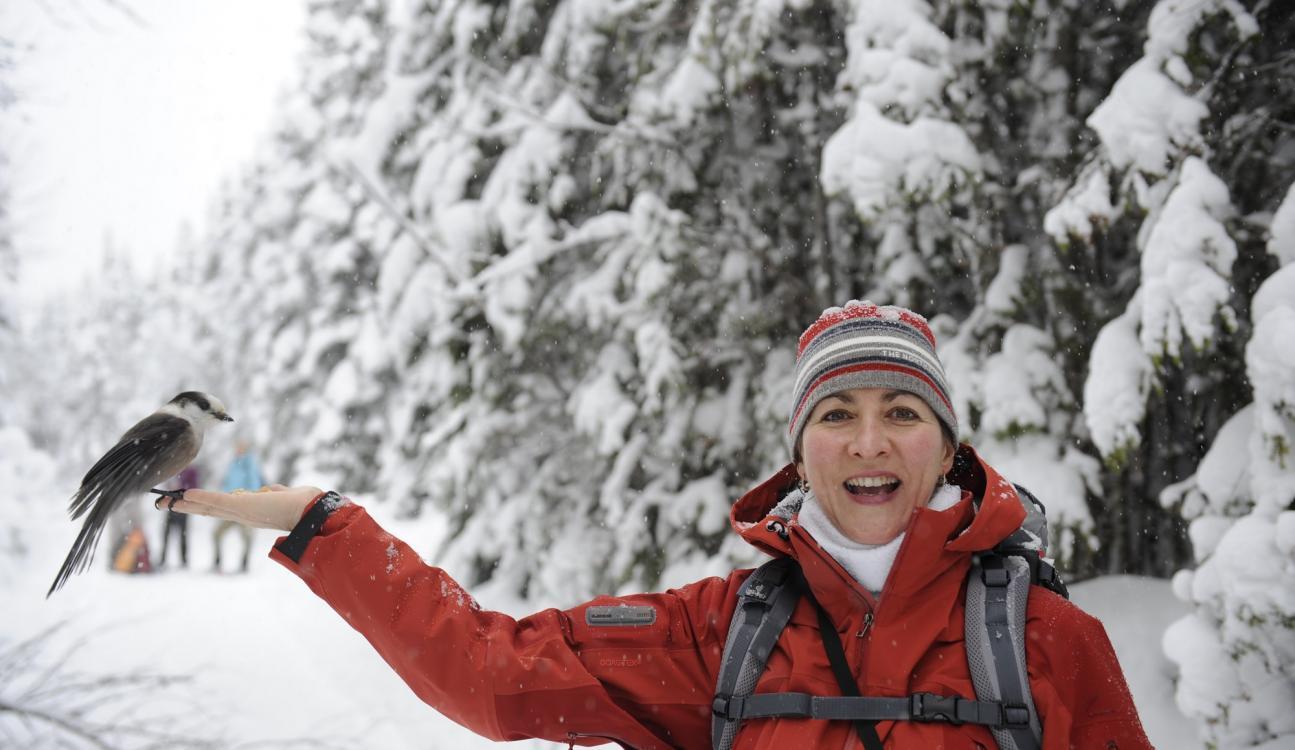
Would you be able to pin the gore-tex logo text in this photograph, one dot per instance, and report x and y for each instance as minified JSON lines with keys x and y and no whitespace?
{"x":624,"y":660}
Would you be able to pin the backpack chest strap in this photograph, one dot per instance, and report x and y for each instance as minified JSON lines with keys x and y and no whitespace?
{"x":927,"y":707}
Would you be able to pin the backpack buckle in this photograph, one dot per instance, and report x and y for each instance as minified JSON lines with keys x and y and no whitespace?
{"x":995,"y":577}
{"x":932,"y":707}
{"x":1016,"y":715}
{"x":728,"y":707}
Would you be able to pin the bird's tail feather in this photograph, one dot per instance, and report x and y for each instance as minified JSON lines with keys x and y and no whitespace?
{"x":82,"y":552}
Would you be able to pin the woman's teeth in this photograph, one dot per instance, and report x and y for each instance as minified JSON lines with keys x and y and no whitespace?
{"x":871,"y":485}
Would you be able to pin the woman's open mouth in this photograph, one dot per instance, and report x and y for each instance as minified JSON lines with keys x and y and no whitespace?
{"x":872,"y":490}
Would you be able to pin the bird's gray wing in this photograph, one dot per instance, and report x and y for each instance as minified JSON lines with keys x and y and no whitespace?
{"x":155,"y":449}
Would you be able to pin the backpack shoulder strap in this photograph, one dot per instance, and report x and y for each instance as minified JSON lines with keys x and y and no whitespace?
{"x":1029,"y":542}
{"x":764,"y":605}
{"x":998,"y":587}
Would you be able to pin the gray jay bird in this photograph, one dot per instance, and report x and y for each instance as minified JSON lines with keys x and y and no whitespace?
{"x":155,"y":449}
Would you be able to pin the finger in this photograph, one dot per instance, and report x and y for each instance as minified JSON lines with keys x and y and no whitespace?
{"x":199,"y":496}
{"x":199,"y":502}
{"x":268,"y":509}
{"x":189,"y":507}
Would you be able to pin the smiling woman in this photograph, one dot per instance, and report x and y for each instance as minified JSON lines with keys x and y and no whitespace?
{"x":872,"y":455}
{"x":873,"y":431}
{"x":876,"y":526}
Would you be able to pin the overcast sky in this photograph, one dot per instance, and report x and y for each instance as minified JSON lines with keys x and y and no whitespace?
{"x":125,"y":128}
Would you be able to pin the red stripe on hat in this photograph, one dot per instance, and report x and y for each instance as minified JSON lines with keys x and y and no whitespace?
{"x":861,"y":311}
{"x":860,"y":368}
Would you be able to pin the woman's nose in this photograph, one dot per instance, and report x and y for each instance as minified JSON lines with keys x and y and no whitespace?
{"x":869,"y":438}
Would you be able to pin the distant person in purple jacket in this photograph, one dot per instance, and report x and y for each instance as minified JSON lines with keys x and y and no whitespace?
{"x":244,"y":473}
{"x":179,"y":522}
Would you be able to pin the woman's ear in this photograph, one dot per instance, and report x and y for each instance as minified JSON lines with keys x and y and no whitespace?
{"x":950,"y":450}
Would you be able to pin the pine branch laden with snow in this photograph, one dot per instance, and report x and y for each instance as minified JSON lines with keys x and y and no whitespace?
{"x":900,"y":161}
{"x":1186,"y":265}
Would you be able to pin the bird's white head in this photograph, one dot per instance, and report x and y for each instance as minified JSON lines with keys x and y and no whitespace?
{"x":199,"y":408}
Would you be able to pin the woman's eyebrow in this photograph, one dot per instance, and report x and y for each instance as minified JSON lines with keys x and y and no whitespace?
{"x":891,"y":395}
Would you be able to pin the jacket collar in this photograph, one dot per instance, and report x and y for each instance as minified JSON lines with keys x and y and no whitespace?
{"x":998,"y":512}
{"x":935,"y":542}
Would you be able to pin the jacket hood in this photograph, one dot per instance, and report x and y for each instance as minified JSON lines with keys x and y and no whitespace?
{"x":997,"y":510}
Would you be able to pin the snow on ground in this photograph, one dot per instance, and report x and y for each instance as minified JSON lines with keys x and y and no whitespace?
{"x":272,"y":666}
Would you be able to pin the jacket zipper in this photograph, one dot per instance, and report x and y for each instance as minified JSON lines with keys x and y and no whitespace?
{"x":867,"y":625}
{"x":870,"y":616}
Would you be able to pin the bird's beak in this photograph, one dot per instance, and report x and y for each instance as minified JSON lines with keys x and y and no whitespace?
{"x":224,"y":418}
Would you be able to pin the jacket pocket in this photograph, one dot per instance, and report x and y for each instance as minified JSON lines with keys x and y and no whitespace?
{"x":625,"y":621}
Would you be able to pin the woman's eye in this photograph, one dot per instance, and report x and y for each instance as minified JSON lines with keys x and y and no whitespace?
{"x":903,"y":413}
{"x":836,"y":415}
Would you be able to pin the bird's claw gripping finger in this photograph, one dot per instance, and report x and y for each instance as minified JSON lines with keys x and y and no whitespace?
{"x":172,"y":495}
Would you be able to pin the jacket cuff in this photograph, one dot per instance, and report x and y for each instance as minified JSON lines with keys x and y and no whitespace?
{"x":312,"y":523}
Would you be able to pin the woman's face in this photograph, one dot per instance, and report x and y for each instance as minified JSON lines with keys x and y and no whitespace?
{"x":873,"y":455}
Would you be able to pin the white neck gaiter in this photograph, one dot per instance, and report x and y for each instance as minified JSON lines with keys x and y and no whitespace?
{"x":869,"y":564}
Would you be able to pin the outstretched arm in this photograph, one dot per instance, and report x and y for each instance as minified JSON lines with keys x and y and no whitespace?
{"x":552,"y":675}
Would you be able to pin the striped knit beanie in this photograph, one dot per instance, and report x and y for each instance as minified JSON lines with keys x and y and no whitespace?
{"x":862,"y":345}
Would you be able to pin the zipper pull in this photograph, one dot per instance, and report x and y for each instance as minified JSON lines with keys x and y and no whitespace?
{"x":867,"y":625}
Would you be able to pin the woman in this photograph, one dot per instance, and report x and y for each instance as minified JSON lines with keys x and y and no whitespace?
{"x":885,"y":512}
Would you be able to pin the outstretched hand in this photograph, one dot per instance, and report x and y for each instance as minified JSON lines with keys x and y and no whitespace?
{"x":272,"y":507}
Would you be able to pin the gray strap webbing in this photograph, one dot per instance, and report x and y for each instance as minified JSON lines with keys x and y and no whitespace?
{"x":917,"y":707}
{"x":997,"y":591}
{"x":764,"y":606}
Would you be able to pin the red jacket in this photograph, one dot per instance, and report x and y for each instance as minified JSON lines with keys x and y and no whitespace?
{"x":552,"y":676}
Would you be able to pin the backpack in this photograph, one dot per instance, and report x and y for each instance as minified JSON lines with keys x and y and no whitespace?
{"x":997,"y":588}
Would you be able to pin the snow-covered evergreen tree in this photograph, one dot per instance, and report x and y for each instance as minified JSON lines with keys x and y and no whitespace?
{"x":536,"y":263}
{"x":987,"y":102}
{"x":290,"y":266}
{"x":1195,"y":157}
{"x":602,"y":200}
{"x":1033,"y":74}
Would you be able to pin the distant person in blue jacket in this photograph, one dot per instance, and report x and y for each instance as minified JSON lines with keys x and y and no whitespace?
{"x":244,"y":473}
